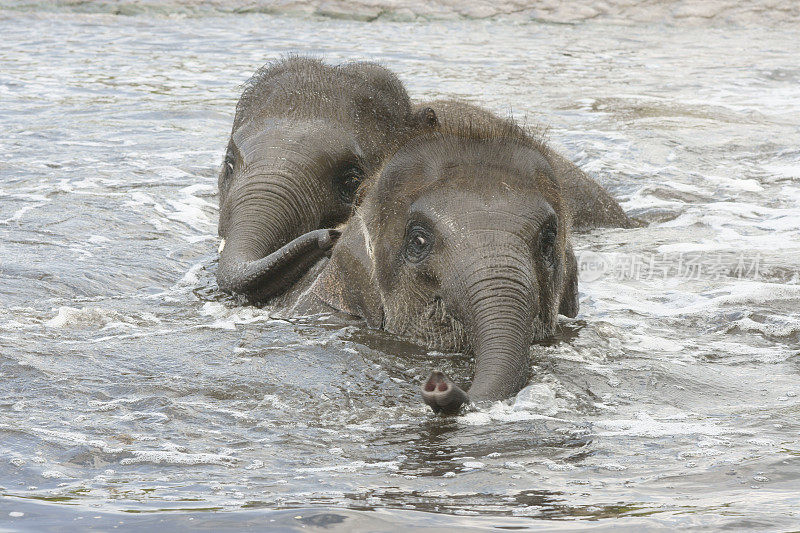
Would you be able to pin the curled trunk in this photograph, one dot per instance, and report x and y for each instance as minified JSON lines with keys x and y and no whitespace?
{"x":274,"y":207}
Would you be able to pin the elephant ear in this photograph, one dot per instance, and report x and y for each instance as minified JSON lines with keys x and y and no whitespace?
{"x":569,"y":294}
{"x":426,"y":116}
{"x":347,"y":283}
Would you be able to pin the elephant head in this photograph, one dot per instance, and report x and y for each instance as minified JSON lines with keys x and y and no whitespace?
{"x":589,"y":205}
{"x":304,"y":136}
{"x":461,"y":243}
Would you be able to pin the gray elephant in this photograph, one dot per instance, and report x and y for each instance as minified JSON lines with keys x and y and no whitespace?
{"x":588,"y":203}
{"x":461,"y":243}
{"x":304,"y":137}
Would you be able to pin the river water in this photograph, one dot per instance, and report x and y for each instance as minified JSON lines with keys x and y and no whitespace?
{"x":129,"y":386}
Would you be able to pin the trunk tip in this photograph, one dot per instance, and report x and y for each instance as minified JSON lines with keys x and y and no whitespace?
{"x":442,"y":395}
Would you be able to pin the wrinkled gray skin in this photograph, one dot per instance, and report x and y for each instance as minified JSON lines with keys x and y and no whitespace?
{"x":589,"y":205}
{"x":462,"y":244}
{"x":304,"y":136}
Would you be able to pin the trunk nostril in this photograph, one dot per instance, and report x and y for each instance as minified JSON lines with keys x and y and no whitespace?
{"x":442,"y":395}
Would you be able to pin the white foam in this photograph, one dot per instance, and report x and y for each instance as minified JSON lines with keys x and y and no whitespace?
{"x":18,"y":214}
{"x":703,"y":245}
{"x":193,"y":239}
{"x":613,"y":467}
{"x":503,"y":411}
{"x":191,"y":190}
{"x":646,"y":426}
{"x":650,"y":343}
{"x":616,"y":296}
{"x":742,"y":184}
{"x":171,"y":173}
{"x":779,"y":330}
{"x":355,"y":466}
{"x":684,"y":187}
{"x":98,"y":239}
{"x":747,"y":292}
{"x":780,"y":223}
{"x":538,"y":398}
{"x":757,"y":353}
{"x":53,"y":474}
{"x":189,"y":211}
{"x":14,"y":325}
{"x":62,"y":437}
{"x":229,"y":317}
{"x":783,"y":170}
{"x":97,"y":317}
{"x":178,"y":458}
{"x":641,"y":200}
{"x":191,"y":277}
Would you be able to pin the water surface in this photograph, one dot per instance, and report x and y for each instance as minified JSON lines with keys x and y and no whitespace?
{"x":130,"y":386}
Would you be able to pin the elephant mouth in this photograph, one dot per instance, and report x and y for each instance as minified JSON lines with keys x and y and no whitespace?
{"x":431,"y":326}
{"x":437,"y":329}
{"x":444,"y":332}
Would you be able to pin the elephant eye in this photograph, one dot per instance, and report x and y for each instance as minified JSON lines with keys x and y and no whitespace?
{"x":348,"y":182}
{"x":547,"y":242}
{"x":419,"y":243}
{"x":227,"y":171}
{"x":228,"y":165}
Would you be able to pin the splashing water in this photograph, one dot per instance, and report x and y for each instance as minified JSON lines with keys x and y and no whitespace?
{"x":128,"y":383}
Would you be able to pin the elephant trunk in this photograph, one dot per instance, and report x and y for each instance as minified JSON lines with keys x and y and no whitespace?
{"x":272,"y":207}
{"x":500,"y":332}
{"x":497,"y":315}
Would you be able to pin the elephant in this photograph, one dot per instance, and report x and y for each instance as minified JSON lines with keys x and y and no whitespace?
{"x":589,"y":204}
{"x":305,"y":134}
{"x":460,"y":243}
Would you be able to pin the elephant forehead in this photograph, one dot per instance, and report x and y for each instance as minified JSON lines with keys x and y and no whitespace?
{"x":258,"y":134}
{"x":479,"y":171}
{"x":461,"y":212}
